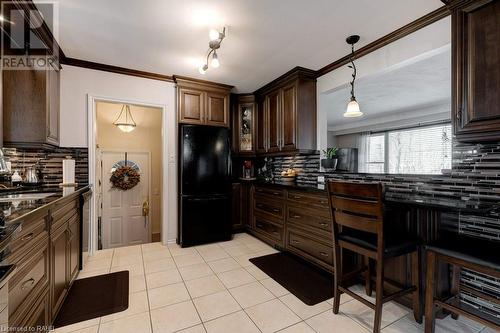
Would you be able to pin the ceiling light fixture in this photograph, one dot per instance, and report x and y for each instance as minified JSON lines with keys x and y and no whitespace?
{"x":125,"y":122}
{"x":216,"y":38}
{"x":353,"y":106}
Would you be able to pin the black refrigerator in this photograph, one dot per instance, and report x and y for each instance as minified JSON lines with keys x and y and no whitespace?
{"x":204,"y":185}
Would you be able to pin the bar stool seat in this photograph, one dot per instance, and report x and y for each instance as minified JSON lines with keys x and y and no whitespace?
{"x":394,"y":245}
{"x":480,"y":251}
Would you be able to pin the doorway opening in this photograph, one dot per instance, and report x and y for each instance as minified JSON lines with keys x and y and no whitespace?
{"x":128,"y":174}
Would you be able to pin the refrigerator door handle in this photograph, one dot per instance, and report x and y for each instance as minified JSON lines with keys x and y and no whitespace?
{"x":229,"y":159}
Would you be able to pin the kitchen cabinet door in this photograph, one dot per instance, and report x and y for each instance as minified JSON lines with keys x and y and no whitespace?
{"x":53,"y":83}
{"x":59,"y":249}
{"x":273,"y":106}
{"x":289,"y":117}
{"x":217,"y":113}
{"x":476,"y":66}
{"x":73,"y":248}
{"x":262,"y":121}
{"x":191,"y":106}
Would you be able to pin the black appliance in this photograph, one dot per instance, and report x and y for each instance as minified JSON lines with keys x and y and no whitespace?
{"x":347,"y":159}
{"x":204,"y":185}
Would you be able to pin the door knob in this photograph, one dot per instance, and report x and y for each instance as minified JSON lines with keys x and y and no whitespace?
{"x":145,"y":208}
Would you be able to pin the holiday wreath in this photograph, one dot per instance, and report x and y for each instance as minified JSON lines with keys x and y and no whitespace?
{"x":125,"y":178}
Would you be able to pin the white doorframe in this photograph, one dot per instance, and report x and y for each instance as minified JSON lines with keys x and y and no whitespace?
{"x":138,"y":151}
{"x":92,"y":134}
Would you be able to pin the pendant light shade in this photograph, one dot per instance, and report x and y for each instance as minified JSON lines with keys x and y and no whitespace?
{"x":125,"y":122}
{"x":353,"y":109}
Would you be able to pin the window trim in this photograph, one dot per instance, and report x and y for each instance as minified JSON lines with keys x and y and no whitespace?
{"x":386,"y":132}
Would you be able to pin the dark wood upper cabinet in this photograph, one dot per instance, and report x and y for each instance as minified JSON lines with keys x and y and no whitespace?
{"x":202,"y":102}
{"x":31,"y":106}
{"x":273,"y":107}
{"x":287,"y":123}
{"x":476,"y":70}
{"x":289,"y":117}
{"x":261,"y":127}
{"x":191,"y":106}
{"x":243,"y":117}
{"x":218,"y":109}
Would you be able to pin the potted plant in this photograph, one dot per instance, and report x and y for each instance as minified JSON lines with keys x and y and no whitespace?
{"x":330,"y":158}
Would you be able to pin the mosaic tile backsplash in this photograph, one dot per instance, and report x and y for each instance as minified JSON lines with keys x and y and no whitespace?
{"x":50,"y":162}
{"x":475,"y":176}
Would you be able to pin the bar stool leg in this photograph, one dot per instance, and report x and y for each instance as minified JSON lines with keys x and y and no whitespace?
{"x":455,"y":285}
{"x":379,"y":294}
{"x":368,"y":277}
{"x":416,"y":280}
{"x":429,"y":292}
{"x":337,"y":278}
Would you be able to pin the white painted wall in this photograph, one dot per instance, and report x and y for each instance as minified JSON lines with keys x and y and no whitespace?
{"x":77,"y":84}
{"x":430,"y":38}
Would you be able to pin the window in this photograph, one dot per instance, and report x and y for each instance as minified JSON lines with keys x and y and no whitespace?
{"x":420,"y":150}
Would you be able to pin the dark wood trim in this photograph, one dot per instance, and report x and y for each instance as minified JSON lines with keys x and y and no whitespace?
{"x":180,"y":79}
{"x":418,"y":24}
{"x":292,"y":74}
{"x":115,"y":69}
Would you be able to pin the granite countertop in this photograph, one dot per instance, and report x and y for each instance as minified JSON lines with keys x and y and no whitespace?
{"x":11,"y":211}
{"x":408,"y":198}
{"x":294,"y":186}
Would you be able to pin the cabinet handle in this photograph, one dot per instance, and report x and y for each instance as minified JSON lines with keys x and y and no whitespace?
{"x":324,"y":254}
{"x":323,"y":224}
{"x":295,"y":241}
{"x":28,"y":283}
{"x":259,"y":225}
{"x":27,"y":237}
{"x":297,"y":197}
{"x":295,"y":216}
{"x":276,"y":210}
{"x":276,"y":233}
{"x":259,"y":205}
{"x":276,"y":193}
{"x":322,"y":202}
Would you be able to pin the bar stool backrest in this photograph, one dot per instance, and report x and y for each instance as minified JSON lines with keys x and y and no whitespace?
{"x":357,"y":206}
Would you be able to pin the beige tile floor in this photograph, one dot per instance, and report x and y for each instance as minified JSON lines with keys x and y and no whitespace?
{"x":215,"y":289}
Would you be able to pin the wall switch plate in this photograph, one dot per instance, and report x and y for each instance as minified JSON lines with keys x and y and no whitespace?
{"x":321,"y":179}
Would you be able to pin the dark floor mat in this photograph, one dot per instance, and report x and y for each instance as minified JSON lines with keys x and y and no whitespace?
{"x":310,"y":284}
{"x":94,"y":297}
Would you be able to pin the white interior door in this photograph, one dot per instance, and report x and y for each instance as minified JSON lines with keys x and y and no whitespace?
{"x":123,"y":222}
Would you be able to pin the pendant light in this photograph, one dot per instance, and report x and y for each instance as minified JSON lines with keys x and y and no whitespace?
{"x":125,"y":122}
{"x":353,"y":106}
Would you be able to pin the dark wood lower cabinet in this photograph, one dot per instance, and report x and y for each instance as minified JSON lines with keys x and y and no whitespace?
{"x":46,"y":253}
{"x":58,"y":281}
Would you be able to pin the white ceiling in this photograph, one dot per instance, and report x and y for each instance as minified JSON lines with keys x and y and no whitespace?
{"x":419,"y":87}
{"x":266,"y":38}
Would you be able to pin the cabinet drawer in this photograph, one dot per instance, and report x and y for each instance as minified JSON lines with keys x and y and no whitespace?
{"x":302,"y":244}
{"x":268,"y":228}
{"x":30,"y":233}
{"x":321,"y":201}
{"x":277,"y":193}
{"x":271,"y":207}
{"x":30,"y":280}
{"x":309,"y":218}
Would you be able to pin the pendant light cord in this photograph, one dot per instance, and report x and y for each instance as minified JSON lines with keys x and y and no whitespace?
{"x":353,"y":66}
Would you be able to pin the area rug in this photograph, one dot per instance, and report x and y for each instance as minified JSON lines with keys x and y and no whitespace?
{"x":94,"y":297}
{"x":307,"y":282}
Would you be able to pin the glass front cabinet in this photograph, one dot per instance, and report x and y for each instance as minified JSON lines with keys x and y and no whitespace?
{"x":244,"y":125}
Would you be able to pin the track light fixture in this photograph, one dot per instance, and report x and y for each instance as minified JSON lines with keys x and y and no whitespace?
{"x":216,"y":38}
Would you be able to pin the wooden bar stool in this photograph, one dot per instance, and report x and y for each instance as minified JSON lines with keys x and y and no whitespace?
{"x":358,"y":226}
{"x":476,"y":254}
